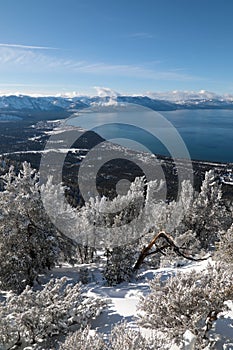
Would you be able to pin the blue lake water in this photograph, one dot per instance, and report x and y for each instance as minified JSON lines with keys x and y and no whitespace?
{"x":207,"y":134}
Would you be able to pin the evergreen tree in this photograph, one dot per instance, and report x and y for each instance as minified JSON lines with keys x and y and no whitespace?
{"x":28,"y":242}
{"x":207,"y":214}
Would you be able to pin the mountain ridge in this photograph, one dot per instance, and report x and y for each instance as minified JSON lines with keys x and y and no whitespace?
{"x":26,"y":103}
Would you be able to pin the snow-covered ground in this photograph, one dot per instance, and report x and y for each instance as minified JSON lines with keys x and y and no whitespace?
{"x":52,"y":150}
{"x":124,"y":298}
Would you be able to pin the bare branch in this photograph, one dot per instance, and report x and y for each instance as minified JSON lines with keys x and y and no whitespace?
{"x":171,"y":244}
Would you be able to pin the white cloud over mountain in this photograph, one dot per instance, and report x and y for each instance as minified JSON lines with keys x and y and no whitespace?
{"x":177,"y":96}
{"x":105,"y":91}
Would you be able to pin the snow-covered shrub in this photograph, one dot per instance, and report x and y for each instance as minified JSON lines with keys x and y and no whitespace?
{"x":120,"y":338}
{"x":34,"y":316}
{"x":186,"y":302}
{"x":224,"y":252}
{"x":82,"y":339}
{"x":119,"y":264}
{"x":28,"y":242}
{"x":123,"y":337}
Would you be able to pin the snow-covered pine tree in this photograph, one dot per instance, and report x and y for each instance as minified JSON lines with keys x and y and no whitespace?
{"x":62,"y":216}
{"x":207,"y":214}
{"x":107,"y":221}
{"x":28,"y":242}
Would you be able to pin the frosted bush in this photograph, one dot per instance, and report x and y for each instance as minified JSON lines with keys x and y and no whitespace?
{"x":186,"y":301}
{"x":35,"y":316}
{"x":224,"y":252}
{"x":120,"y":338}
{"x":119,"y":265}
{"x":83,"y":340}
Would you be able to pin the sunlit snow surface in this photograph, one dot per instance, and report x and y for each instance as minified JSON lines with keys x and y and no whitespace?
{"x":124,"y":299}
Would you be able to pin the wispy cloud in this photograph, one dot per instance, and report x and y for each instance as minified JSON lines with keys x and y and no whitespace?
{"x":21,"y":59}
{"x":25,"y":57}
{"x":136,"y":71}
{"x":31,"y":47}
{"x":14,"y":85}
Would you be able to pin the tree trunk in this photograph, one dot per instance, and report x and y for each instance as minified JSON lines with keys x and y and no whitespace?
{"x":170,"y":244}
{"x":146,"y":251}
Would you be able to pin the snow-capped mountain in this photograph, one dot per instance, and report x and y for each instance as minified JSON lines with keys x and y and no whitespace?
{"x":182,"y":96}
{"x":28,"y":103}
{"x":157,"y":101}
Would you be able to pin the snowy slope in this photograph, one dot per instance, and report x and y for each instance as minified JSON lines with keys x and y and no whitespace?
{"x":28,"y":103}
{"x":124,"y":299}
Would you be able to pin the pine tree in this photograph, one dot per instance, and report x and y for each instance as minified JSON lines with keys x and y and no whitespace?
{"x":207,"y":214}
{"x":28,"y":242}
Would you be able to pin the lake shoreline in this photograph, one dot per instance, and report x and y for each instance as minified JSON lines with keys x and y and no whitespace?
{"x":27,"y":144}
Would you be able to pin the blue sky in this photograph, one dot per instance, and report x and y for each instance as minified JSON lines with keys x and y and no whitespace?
{"x":131,"y":46}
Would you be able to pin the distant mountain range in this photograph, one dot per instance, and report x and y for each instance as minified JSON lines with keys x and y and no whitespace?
{"x":157,"y":101}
